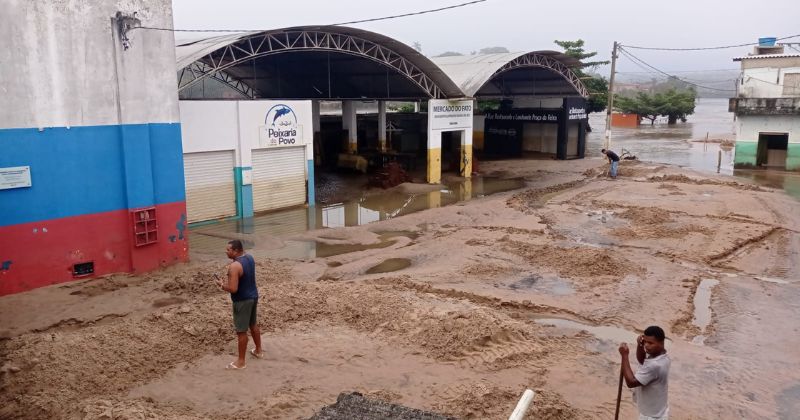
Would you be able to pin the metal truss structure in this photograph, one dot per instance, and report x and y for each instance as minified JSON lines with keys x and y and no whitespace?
{"x":198,"y":70}
{"x":543,"y":61}
{"x":263,"y":44}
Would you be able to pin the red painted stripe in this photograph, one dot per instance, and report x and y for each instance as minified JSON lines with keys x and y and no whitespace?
{"x":43,"y":253}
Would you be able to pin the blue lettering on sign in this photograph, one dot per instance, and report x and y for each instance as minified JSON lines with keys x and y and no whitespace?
{"x":281,"y":125}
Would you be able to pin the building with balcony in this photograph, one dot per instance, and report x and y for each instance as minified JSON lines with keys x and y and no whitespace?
{"x":767,"y":109}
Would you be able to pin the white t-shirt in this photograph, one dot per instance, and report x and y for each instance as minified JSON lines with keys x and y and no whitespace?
{"x":651,"y":397}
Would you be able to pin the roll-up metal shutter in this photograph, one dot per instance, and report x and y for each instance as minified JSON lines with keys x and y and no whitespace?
{"x":279,"y":178}
{"x":210,"y":191}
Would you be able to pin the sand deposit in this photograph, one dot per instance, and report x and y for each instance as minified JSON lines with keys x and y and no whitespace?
{"x":454,"y":330}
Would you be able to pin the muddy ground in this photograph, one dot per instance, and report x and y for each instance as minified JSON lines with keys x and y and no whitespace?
{"x":532,"y":288}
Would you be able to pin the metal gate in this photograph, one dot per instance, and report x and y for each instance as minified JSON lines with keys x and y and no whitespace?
{"x":210,"y":191}
{"x":279,"y":178}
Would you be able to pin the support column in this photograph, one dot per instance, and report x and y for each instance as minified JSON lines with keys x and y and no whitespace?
{"x":382,"y":125}
{"x":243,"y":172}
{"x":315,"y":122}
{"x":434,"y":171}
{"x":349,"y":123}
{"x":466,"y":154}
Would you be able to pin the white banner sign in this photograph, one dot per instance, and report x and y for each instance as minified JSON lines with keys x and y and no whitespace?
{"x":15,"y":177}
{"x":450,"y":115}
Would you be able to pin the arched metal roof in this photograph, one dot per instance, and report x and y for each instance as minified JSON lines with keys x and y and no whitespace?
{"x":536,"y":73}
{"x":231,"y":60}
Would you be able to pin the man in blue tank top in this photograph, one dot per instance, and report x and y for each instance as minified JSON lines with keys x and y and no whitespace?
{"x":241,"y":284}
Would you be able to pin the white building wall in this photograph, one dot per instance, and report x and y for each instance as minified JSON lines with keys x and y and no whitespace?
{"x":764,"y":82}
{"x":236,"y":125}
{"x":209,"y":125}
{"x":61,"y":66}
{"x":750,"y":125}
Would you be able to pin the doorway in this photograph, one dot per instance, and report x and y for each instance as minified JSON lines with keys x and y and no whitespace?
{"x":772,"y":149}
{"x":452,"y":151}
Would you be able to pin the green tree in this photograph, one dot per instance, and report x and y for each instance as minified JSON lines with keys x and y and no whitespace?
{"x":597,"y":86}
{"x":677,"y":104}
{"x":673,"y":103}
{"x":575,"y":49}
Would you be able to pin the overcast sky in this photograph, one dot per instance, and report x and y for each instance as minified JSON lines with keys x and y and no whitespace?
{"x":525,"y":25}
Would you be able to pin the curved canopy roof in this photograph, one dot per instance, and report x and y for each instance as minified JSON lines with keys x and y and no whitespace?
{"x":536,"y":73}
{"x":326,"y":62}
{"x":337,"y":62}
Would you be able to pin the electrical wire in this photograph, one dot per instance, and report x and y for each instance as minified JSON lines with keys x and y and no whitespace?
{"x":421,"y":12}
{"x":635,"y":59}
{"x":706,"y":48}
{"x":682,"y":71}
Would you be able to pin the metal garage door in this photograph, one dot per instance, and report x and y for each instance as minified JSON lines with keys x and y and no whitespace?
{"x":279,"y":178}
{"x":210,"y":190}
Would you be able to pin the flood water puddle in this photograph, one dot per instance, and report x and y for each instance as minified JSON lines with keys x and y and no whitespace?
{"x":602,"y":332}
{"x":537,"y":283}
{"x":390,"y":265}
{"x":323,"y":250}
{"x":702,"y":308}
{"x":262,"y":232}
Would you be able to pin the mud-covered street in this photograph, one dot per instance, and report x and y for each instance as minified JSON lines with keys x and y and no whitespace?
{"x":458,"y":310}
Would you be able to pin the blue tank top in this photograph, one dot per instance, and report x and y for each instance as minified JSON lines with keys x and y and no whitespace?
{"x":247,"y":282}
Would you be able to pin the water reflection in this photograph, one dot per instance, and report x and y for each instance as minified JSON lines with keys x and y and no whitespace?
{"x":262,"y":235}
{"x":682,"y":144}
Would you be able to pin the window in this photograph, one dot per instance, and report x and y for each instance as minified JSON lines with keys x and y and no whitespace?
{"x":791,"y":84}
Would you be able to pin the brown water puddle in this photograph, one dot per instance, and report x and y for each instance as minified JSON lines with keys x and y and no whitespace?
{"x":261,"y":233}
{"x":702,"y":308}
{"x":390,"y":265}
{"x":324,"y":250}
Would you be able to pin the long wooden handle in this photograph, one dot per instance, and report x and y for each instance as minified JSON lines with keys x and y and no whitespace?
{"x":619,"y":394}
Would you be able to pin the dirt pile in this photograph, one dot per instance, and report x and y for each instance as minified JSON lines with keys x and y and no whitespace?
{"x":531,"y":199}
{"x":683,"y":179}
{"x":592,"y":265}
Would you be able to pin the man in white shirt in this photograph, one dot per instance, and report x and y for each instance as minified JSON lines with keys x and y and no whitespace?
{"x":651,"y":379}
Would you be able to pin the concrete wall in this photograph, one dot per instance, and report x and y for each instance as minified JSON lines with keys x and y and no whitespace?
{"x":747,"y":132}
{"x":764,"y":82}
{"x":98,"y":127}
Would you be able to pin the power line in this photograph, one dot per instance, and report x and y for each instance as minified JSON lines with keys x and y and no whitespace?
{"x":638,"y":60}
{"x":413,"y":13}
{"x":682,"y":71}
{"x":705,"y":48}
{"x":422,"y":12}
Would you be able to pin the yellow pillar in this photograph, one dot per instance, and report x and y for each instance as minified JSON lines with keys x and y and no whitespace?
{"x":434,"y":157}
{"x":466,"y":160}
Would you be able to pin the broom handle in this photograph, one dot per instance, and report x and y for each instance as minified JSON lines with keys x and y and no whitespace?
{"x":619,"y":394}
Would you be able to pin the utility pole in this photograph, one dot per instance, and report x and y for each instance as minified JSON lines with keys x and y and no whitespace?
{"x":607,"y":138}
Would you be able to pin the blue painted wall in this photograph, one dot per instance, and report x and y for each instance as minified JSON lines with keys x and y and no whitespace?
{"x":85,"y":170}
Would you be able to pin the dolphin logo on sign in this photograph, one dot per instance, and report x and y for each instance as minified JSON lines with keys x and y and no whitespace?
{"x":281,"y":126}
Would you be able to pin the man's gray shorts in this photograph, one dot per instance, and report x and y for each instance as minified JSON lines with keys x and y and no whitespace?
{"x":244,"y":314}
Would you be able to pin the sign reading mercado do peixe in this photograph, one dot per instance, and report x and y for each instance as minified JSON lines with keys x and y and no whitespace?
{"x":281,"y":128}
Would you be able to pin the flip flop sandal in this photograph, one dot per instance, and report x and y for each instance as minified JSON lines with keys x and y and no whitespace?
{"x":231,"y":366}
{"x":257,"y":355}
